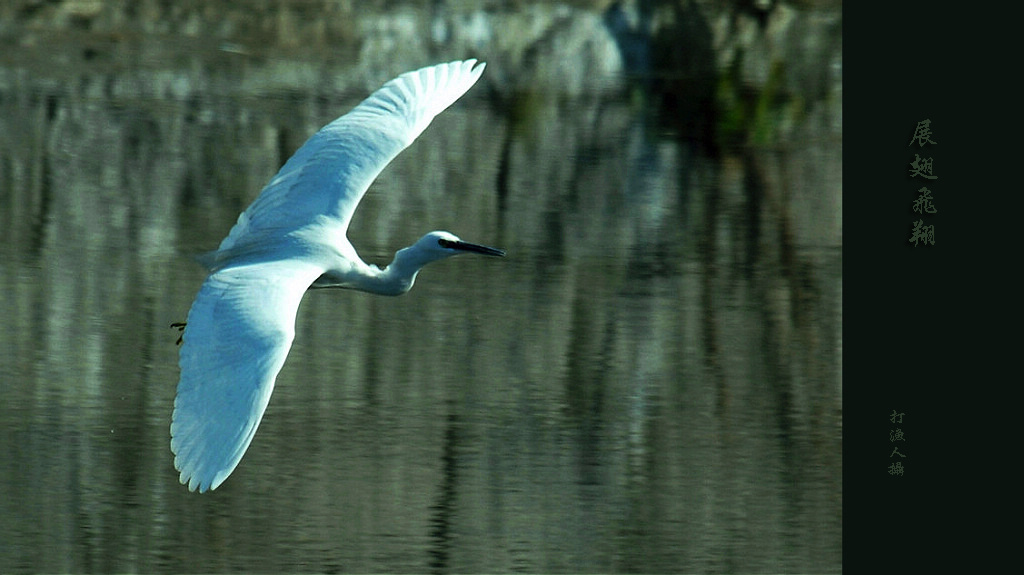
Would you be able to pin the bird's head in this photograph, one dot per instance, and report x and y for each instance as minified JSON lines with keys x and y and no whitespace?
{"x":430,"y":248}
{"x":439,"y":245}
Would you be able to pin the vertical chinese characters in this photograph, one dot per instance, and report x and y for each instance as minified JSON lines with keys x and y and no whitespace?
{"x":895,"y":435}
{"x":923,"y":168}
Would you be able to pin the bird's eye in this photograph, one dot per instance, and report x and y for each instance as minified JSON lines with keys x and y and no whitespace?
{"x":447,"y":244}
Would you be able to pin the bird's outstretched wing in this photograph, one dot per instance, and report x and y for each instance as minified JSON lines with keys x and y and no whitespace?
{"x":329,"y":174}
{"x":238,"y":334}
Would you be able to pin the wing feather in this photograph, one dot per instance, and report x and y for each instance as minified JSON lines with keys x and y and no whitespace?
{"x":329,"y":174}
{"x":238,"y":334}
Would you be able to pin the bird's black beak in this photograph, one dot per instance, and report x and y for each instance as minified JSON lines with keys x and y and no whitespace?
{"x":472,"y":248}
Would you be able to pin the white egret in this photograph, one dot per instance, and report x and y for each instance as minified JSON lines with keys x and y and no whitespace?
{"x":292,"y":238}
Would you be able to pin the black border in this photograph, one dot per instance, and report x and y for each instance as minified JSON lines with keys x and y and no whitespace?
{"x":921,"y":325}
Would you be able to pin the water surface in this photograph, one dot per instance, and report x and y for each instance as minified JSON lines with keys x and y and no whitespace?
{"x":650,"y":381}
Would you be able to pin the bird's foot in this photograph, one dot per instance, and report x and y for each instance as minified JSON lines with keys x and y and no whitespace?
{"x":181,"y":327}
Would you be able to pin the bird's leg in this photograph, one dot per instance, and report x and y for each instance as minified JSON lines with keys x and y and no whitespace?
{"x":181,"y":327}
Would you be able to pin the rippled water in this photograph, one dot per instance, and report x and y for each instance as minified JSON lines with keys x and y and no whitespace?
{"x":650,"y":381}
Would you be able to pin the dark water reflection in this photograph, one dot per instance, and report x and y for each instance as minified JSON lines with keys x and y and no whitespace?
{"x":643,"y":384}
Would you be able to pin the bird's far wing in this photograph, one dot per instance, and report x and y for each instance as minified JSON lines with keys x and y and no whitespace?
{"x":237,"y":336}
{"x":329,"y":174}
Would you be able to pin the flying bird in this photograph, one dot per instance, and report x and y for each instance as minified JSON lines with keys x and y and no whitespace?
{"x":292,"y":238}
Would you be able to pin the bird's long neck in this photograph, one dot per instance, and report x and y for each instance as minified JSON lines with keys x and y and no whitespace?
{"x":395,"y":279}
{"x":398,"y":277}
